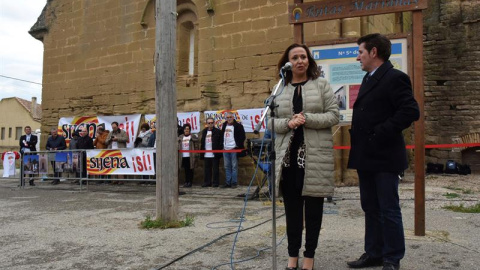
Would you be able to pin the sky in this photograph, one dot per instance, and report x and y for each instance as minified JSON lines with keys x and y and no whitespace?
{"x":21,"y":55}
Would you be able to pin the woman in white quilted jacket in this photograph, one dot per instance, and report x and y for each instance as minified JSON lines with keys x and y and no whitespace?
{"x":307,"y":110}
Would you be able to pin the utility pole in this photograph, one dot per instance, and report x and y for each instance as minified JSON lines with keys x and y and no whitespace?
{"x":166,"y":110}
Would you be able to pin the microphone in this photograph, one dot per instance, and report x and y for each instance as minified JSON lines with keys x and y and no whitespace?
{"x":287,"y":66}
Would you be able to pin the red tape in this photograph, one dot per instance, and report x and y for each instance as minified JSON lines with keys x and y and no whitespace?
{"x":212,"y":151}
{"x":454,"y":145}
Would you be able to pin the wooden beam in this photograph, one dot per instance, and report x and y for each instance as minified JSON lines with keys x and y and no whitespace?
{"x":338,"y":9}
{"x":420,"y":124}
{"x":298,"y":28}
{"x":166,"y":110}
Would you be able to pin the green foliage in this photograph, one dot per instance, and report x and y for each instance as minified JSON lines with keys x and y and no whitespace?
{"x":463,"y":209}
{"x":150,"y":223}
{"x":451,"y":195}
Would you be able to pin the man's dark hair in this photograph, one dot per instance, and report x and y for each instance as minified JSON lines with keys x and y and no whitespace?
{"x":115,"y":122}
{"x":187,"y":125}
{"x":381,"y":42}
{"x":146,"y":126}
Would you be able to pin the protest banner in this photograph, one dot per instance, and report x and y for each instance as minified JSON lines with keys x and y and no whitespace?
{"x":134,"y":161}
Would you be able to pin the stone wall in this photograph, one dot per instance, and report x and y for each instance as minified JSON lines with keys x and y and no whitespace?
{"x":99,"y":58}
{"x":452,"y":75}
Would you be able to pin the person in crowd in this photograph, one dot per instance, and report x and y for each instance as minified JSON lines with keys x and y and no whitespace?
{"x":211,"y":140}
{"x":28,"y":143}
{"x":307,"y":110}
{"x":117,"y":138}
{"x":54,"y":143}
{"x":187,"y":141}
{"x":100,"y":138}
{"x":143,"y":136}
{"x":85,"y":142}
{"x":234,"y":137}
{"x":142,"y":141}
{"x":384,"y":107}
{"x":73,"y":146}
{"x":179,"y":128}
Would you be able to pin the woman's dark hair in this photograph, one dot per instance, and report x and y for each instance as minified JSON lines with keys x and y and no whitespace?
{"x":187,"y":125}
{"x":312,"y":71}
{"x":145,"y":126}
{"x":381,"y":42}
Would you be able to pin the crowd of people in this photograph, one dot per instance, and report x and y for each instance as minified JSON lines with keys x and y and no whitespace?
{"x":306,"y":111}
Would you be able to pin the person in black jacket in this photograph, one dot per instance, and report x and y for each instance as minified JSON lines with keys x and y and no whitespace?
{"x":84,"y":142}
{"x":28,"y":142}
{"x":384,"y":107}
{"x":234,"y":137}
{"x":211,"y":140}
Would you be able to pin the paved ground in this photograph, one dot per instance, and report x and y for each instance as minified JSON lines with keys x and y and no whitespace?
{"x":63,"y":227}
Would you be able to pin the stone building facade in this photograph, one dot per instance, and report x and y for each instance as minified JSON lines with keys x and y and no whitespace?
{"x":99,"y":55}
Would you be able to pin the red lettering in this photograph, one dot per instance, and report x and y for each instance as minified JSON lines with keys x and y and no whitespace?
{"x":139,"y":163}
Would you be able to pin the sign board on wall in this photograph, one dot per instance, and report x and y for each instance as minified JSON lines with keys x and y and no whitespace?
{"x":339,"y":65}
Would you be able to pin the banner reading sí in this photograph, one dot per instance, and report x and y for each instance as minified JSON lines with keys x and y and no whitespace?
{"x":129,"y":123}
{"x":249,"y":118}
{"x":135,"y":161}
{"x":192,"y":118}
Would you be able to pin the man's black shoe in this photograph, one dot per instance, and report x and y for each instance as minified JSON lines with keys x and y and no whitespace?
{"x":215,"y":185}
{"x":390,"y":266}
{"x":234,"y":186}
{"x":365,"y":261}
{"x":55,"y":182}
{"x":31,"y":182}
{"x":226,"y":186}
{"x":206,"y":185}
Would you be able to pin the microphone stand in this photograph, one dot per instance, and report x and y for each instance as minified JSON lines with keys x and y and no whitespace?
{"x":270,"y":106}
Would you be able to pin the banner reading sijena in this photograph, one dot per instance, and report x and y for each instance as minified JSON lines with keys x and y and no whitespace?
{"x":135,"y":161}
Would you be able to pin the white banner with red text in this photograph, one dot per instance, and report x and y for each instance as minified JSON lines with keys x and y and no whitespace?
{"x":249,"y":118}
{"x":130,"y":123}
{"x":192,"y":118}
{"x":129,"y":161}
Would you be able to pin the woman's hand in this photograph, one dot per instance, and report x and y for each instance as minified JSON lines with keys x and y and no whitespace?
{"x":297,"y":120}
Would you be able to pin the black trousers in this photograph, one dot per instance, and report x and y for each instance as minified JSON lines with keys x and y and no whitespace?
{"x":188,"y":171}
{"x":384,"y":236}
{"x":295,"y":205}
{"x":211,"y":165}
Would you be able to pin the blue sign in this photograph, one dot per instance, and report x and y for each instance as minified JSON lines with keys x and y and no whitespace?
{"x":348,"y":52}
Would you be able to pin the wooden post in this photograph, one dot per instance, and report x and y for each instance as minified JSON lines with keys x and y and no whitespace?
{"x":298,"y":28}
{"x":166,"y":110}
{"x":420,"y":124}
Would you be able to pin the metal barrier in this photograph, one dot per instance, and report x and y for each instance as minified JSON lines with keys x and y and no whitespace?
{"x":65,"y":165}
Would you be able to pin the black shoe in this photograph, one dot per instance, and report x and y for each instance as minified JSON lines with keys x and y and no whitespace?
{"x":226,"y":186}
{"x":55,"y":182}
{"x":390,"y":266}
{"x":234,"y":186}
{"x":31,"y":182}
{"x":365,"y":261}
{"x":216,"y":185}
{"x":206,"y":185}
{"x":290,"y":268}
{"x":187,"y":185}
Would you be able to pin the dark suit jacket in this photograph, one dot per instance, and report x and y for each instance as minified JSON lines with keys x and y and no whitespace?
{"x":217,"y":142}
{"x":31,"y":144}
{"x":384,"y":107}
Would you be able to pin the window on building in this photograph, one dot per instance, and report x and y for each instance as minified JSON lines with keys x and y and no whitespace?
{"x":9,"y":132}
{"x":3,"y":133}
{"x":18,"y":133}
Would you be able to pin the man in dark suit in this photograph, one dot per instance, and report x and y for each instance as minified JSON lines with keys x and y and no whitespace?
{"x":384,"y":107}
{"x":212,"y":139}
{"x":28,"y":143}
